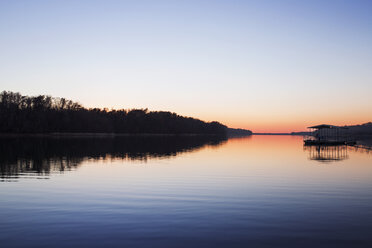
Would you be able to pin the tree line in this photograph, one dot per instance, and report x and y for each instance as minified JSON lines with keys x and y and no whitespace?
{"x":46,"y":114}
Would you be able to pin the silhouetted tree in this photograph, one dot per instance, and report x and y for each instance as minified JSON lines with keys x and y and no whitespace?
{"x":45,"y":114}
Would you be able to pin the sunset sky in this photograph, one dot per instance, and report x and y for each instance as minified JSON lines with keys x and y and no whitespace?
{"x":268,"y":66}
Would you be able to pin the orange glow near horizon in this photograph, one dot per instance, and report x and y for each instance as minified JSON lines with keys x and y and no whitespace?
{"x":264,"y":122}
{"x":290,"y":123}
{"x":291,"y":127}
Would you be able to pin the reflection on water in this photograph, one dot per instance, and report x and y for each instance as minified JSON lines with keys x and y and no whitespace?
{"x":24,"y":156}
{"x":327,"y":153}
{"x":259,"y":191}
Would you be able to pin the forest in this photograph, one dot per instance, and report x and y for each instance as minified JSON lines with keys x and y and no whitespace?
{"x":46,"y":114}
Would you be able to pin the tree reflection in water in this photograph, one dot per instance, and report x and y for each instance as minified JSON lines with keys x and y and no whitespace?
{"x":41,"y":156}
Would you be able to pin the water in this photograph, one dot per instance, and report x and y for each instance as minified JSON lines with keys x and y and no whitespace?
{"x":259,"y":191}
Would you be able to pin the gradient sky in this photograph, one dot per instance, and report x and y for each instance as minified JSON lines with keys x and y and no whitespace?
{"x":263,"y":65}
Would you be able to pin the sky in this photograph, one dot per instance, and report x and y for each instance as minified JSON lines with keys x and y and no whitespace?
{"x":268,"y":66}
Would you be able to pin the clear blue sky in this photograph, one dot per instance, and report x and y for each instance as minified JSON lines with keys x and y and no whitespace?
{"x":263,"y":65}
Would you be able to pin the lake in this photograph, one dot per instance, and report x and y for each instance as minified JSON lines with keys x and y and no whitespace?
{"x":257,"y":191}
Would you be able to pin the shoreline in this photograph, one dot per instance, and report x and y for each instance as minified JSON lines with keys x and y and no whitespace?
{"x":99,"y":135}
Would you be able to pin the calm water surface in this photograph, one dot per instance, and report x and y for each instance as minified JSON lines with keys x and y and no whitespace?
{"x":259,"y":191}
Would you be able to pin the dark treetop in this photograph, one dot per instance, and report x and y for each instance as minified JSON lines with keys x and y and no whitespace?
{"x":46,"y":114}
